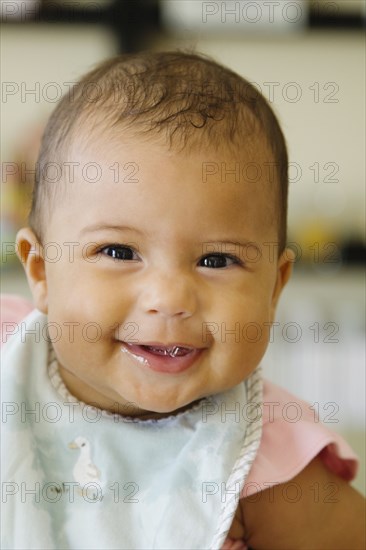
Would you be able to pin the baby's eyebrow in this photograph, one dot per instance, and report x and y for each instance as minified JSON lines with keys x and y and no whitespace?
{"x":108,"y":227}
{"x":234,"y":242}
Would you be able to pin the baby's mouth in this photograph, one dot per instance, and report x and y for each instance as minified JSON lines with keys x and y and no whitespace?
{"x":171,"y":358}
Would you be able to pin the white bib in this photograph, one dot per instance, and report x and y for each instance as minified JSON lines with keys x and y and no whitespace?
{"x":76,"y":477}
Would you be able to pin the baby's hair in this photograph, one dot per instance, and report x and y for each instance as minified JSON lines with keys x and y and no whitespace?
{"x":187,"y":99}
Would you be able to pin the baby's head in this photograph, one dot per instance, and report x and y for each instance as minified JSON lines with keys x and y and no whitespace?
{"x":157,"y":232}
{"x":187,"y":101}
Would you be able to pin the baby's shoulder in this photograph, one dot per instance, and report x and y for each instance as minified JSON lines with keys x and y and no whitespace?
{"x":316,"y":509}
{"x":292,"y":437}
{"x":297,"y":493}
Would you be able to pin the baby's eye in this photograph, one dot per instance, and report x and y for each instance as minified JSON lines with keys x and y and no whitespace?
{"x":219,"y":261}
{"x":119,"y":252}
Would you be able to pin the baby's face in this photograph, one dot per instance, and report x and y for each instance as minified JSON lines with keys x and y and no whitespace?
{"x":168,"y":293}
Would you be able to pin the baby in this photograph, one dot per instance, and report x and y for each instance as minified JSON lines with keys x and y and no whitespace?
{"x":135,"y":415}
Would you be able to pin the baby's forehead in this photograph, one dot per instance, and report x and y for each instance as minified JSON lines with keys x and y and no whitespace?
{"x":121,"y":155}
{"x":145,"y":183}
{"x":122,"y":158}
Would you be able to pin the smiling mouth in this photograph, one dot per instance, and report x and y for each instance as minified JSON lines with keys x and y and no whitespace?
{"x":173,"y":358}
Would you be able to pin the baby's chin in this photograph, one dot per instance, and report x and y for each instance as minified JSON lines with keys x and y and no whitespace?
{"x":164,"y":407}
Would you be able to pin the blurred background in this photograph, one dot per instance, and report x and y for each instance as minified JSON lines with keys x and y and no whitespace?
{"x":308,"y":59}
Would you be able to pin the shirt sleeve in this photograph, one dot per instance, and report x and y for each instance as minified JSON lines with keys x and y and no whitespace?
{"x":292,"y":437}
{"x":13,"y":310}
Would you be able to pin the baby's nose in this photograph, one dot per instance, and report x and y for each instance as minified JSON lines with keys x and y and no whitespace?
{"x":169,"y":295}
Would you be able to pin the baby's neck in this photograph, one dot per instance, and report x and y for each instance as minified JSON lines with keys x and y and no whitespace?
{"x":151,"y":415}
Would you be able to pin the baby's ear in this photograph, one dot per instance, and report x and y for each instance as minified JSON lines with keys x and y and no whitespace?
{"x":284,"y":270}
{"x":30,"y":253}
